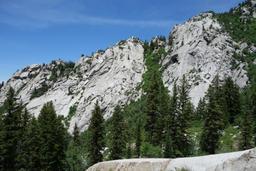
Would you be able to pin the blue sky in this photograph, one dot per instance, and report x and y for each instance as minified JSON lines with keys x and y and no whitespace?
{"x":38,"y":31}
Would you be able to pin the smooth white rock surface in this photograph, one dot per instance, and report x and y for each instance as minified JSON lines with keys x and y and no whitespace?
{"x":236,"y":161}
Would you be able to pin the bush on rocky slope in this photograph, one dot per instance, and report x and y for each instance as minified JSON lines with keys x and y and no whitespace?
{"x":240,"y":26}
{"x":40,"y":91}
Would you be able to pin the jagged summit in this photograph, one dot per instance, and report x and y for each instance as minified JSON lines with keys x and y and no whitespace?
{"x":200,"y":49}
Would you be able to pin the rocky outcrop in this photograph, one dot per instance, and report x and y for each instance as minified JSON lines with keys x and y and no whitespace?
{"x":110,"y":77}
{"x":247,"y":9}
{"x":132,"y":165}
{"x":200,"y":49}
{"x":236,"y":161}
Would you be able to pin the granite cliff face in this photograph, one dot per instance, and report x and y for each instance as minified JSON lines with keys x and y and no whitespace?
{"x":199,"y":48}
{"x":110,"y":76}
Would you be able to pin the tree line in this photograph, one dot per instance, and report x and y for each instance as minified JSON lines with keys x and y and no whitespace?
{"x":27,"y":143}
{"x":219,"y":108}
{"x":157,"y":124}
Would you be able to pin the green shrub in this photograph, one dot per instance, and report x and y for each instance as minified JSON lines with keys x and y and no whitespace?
{"x":2,"y":109}
{"x":238,"y":29}
{"x":229,"y":139}
{"x":61,"y":70}
{"x":150,"y":151}
{"x":71,"y":113}
{"x":39,"y":92}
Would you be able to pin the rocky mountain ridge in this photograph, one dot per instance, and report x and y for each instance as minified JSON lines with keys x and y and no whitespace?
{"x":111,"y":77}
{"x":199,"y":49}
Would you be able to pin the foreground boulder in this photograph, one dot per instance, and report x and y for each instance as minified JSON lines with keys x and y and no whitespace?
{"x":236,"y":161}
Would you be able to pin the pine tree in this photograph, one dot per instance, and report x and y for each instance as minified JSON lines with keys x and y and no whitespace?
{"x":168,"y":149}
{"x":22,"y":146}
{"x":138,"y":138}
{"x":177,"y":122}
{"x":185,"y":110}
{"x":25,"y":119}
{"x":117,"y":135}
{"x":246,"y":132}
{"x":96,"y":136}
{"x":248,"y":121}
{"x":30,"y":156}
{"x":11,"y":132}
{"x":52,"y":137}
{"x":201,"y":109}
{"x":219,"y":98}
{"x":232,"y":99}
{"x":252,"y":105}
{"x":152,"y":110}
{"x":164,"y":109}
{"x":156,"y":96}
{"x":74,"y":152}
{"x":171,"y":122}
{"x":76,"y":137}
{"x":213,"y":123}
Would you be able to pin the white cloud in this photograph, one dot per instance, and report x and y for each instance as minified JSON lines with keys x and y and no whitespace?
{"x":38,"y":14}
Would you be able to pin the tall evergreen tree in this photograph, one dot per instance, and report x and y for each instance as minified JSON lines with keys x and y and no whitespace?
{"x":25,"y":119}
{"x":172,"y":124}
{"x":252,"y":105}
{"x":30,"y":156}
{"x":246,"y":132}
{"x":96,"y":136}
{"x":219,"y":98}
{"x":152,"y":110}
{"x":168,"y":148}
{"x":117,"y":135}
{"x":76,"y":137}
{"x":232,"y":99}
{"x":22,"y":146}
{"x":213,"y":123}
{"x":184,"y":113}
{"x":53,"y":139}
{"x":178,"y":121}
{"x":164,"y":109}
{"x":11,"y":132}
{"x":138,"y":138}
{"x":201,"y":109}
{"x":247,"y":123}
{"x":157,"y":97}
{"x":74,"y":153}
